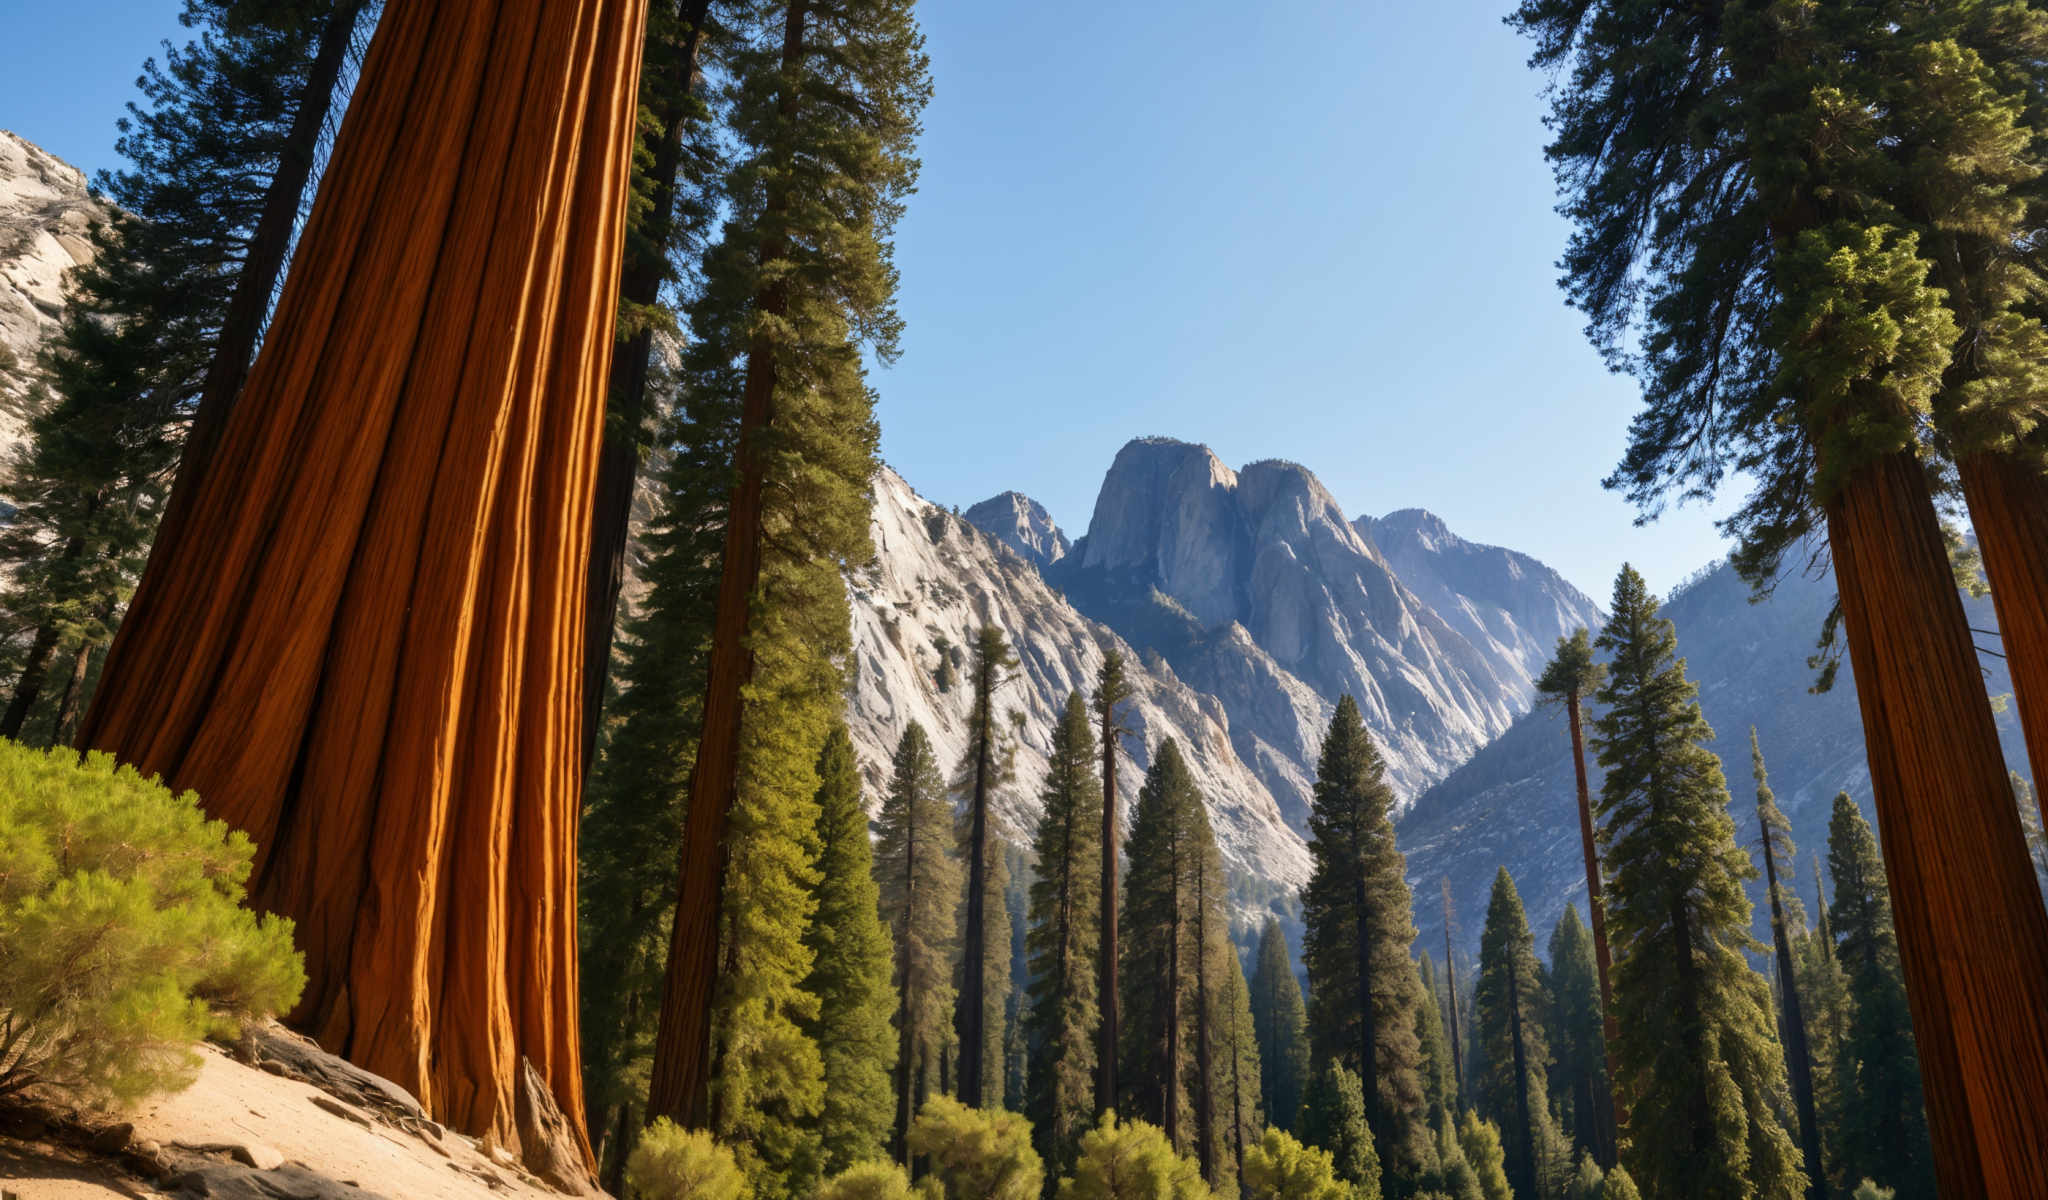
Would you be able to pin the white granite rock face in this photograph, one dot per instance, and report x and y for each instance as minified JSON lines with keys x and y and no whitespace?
{"x":1022,"y":524}
{"x":936,"y":579}
{"x":46,"y":219}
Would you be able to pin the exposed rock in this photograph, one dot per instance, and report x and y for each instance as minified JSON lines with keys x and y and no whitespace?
{"x":548,"y":1145}
{"x":935,"y":580}
{"x":295,"y":1056}
{"x":282,"y":1183}
{"x":112,"y":1139}
{"x":46,"y":219}
{"x":1022,"y":524}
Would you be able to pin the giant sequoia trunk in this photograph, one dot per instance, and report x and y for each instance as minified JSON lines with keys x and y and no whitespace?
{"x":1972,"y":933}
{"x":646,"y":267}
{"x":1604,"y":1124}
{"x":681,"y":1081}
{"x":2009,"y":510}
{"x":361,"y":647}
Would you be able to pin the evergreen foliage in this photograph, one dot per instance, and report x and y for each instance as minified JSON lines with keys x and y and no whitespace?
{"x":1619,"y":1185}
{"x":138,"y":334}
{"x":1280,"y":1023}
{"x":1437,"y":1087}
{"x":919,"y":883}
{"x":870,"y":1181}
{"x":1579,"y":1081}
{"x":1060,"y":1026}
{"x":850,"y":969}
{"x":1825,"y":988}
{"x":1515,"y":1091}
{"x":2030,"y":825}
{"x":1701,"y":1068}
{"x":1590,"y":1180}
{"x":977,"y":1154}
{"x":1455,"y":1178}
{"x":985,"y":930}
{"x":1884,"y":1131}
{"x":1279,"y":1168}
{"x":1131,"y":1160}
{"x":1111,"y":690}
{"x":122,"y":935}
{"x":1333,"y":1120}
{"x":1362,"y":986}
{"x":1239,"y":1073}
{"x":1775,"y":833}
{"x":671,"y":1163}
{"x":1159,"y":948}
{"x":1484,"y":1152}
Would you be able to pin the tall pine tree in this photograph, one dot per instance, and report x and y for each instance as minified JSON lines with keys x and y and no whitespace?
{"x":825,"y":104}
{"x":1111,"y":690}
{"x":1701,"y":1069}
{"x":1780,"y":855}
{"x":1060,"y":1025}
{"x":1159,"y":948}
{"x":984,"y":946}
{"x":920,"y":893}
{"x":1516,"y":1090}
{"x":850,"y":969}
{"x":1884,"y":1128}
{"x":1359,"y":922}
{"x":1578,"y":1037}
{"x":1280,"y":1023}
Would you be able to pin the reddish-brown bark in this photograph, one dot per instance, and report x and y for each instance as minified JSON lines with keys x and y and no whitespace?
{"x":1973,"y":936}
{"x":680,"y":1085}
{"x":2008,"y":500}
{"x":363,"y":646}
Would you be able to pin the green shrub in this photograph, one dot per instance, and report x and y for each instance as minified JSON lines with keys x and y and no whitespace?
{"x":868,"y":1181}
{"x":1619,"y":1186}
{"x":1280,"y":1168}
{"x":1131,"y":1161}
{"x":122,"y":936}
{"x":977,"y":1154}
{"x":682,"y":1164}
{"x":1868,"y":1190}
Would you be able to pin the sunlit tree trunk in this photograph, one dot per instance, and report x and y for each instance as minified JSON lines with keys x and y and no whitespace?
{"x":2008,"y":501}
{"x":1973,"y":936}
{"x":363,"y":646}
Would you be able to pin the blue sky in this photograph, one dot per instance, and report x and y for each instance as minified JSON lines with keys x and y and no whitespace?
{"x":1319,"y":230}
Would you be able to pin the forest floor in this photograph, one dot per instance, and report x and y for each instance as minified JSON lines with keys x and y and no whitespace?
{"x":294,"y":1122}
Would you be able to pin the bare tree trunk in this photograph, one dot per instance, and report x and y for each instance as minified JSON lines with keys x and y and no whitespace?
{"x":680,"y":1088}
{"x":1972,"y":933}
{"x":1607,"y":1136}
{"x":74,"y":690}
{"x":618,"y":465}
{"x":264,"y":262}
{"x":367,"y":660}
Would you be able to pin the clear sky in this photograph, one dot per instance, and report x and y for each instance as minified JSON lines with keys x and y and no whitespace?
{"x":1320,"y":230}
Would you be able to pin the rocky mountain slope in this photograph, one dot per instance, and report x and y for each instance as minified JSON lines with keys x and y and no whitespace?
{"x":1257,"y":589}
{"x":935,"y":580}
{"x":46,"y":219}
{"x":1513,"y":803}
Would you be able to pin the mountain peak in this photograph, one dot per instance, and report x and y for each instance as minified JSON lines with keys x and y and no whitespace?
{"x":1021,"y":523}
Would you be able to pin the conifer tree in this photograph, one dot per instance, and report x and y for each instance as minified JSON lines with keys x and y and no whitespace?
{"x":1333,"y":1119}
{"x":1516,"y":1089}
{"x":1437,"y":1089}
{"x":1884,"y":1129}
{"x":826,"y":97}
{"x":1111,"y":690}
{"x":1280,"y":1024}
{"x":1454,"y":1023}
{"x":984,"y":965}
{"x":1213,"y":1004}
{"x":1487,"y":1155}
{"x":1060,"y":1024}
{"x":920,"y":893}
{"x":2030,"y":824}
{"x":1703,"y":1075}
{"x":1240,"y":1074}
{"x":1775,"y":834}
{"x":1744,"y":247}
{"x":850,"y":969}
{"x":1455,"y":1177}
{"x":1572,"y":677}
{"x":1578,"y":1036}
{"x":1160,"y":949}
{"x":219,"y":153}
{"x":1356,"y":908}
{"x":1825,"y":989}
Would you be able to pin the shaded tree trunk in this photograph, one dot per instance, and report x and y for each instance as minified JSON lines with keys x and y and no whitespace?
{"x":74,"y":691}
{"x":1451,"y":989}
{"x":264,"y":262}
{"x":1205,"y":1107}
{"x":1527,"y":1154}
{"x":1606,"y":1136}
{"x":1368,"y":1033}
{"x":2009,"y":511}
{"x":1973,"y":936}
{"x":680,"y":1087}
{"x":28,"y":686}
{"x":1112,"y":829}
{"x":367,"y":658}
{"x":618,"y":465}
